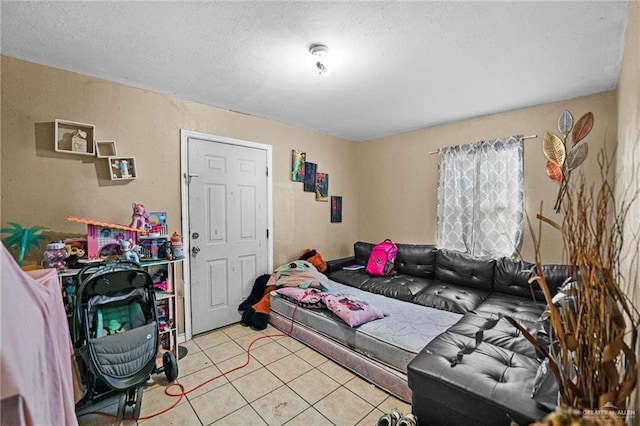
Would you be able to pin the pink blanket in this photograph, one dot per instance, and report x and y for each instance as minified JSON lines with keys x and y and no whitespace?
{"x":37,"y":383}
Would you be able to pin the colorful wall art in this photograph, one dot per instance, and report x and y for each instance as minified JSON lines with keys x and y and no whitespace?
{"x":322,"y":186}
{"x":310,"y":177}
{"x":336,"y":209}
{"x":564,"y":157}
{"x":314,"y":181}
{"x":297,"y":165}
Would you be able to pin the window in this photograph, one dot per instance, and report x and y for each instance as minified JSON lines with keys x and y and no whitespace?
{"x":481,"y":197}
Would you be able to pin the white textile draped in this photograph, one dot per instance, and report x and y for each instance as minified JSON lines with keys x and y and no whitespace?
{"x":481,"y":198}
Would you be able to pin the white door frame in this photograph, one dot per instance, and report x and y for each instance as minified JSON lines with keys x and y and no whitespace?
{"x":184,"y":189}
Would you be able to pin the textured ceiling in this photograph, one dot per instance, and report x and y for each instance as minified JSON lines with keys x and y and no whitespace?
{"x":395,"y":66}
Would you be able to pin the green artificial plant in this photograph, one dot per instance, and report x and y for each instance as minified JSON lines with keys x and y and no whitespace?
{"x":22,"y":239}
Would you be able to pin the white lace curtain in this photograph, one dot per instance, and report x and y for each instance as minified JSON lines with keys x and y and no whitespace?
{"x":481,"y":197}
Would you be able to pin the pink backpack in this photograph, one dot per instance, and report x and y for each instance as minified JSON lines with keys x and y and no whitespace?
{"x":382,"y":258}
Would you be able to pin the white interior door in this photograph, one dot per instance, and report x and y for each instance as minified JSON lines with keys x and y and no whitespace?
{"x":228,"y":228}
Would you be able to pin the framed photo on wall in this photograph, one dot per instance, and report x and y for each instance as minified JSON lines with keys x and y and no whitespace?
{"x":310,"y":177}
{"x":336,"y":209}
{"x":298,"y":159}
{"x":322,"y":186}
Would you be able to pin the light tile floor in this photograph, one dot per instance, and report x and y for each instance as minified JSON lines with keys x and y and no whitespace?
{"x":285,"y":382}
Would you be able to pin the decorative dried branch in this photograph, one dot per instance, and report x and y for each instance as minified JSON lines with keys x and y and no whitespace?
{"x":596,"y":337}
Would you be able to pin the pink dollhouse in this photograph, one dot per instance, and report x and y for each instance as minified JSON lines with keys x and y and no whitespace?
{"x":103,"y":236}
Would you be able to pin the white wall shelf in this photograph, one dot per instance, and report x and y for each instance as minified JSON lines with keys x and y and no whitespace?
{"x":122,"y":168}
{"x":106,"y":149}
{"x":72,"y":137}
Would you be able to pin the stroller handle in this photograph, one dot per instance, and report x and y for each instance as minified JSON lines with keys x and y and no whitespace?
{"x":93,"y":267}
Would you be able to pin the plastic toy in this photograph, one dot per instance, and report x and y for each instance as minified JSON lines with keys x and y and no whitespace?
{"x":176,"y":246}
{"x":129,"y":251}
{"x":101,"y":235}
{"x":160,"y":281}
{"x":22,"y":239}
{"x":165,"y":251}
{"x":74,"y":248}
{"x":140,"y":217}
{"x":158,"y":224}
{"x":152,"y":247}
{"x":54,"y":256}
{"x":123,"y":166}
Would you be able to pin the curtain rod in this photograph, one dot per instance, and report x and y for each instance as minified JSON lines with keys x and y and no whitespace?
{"x":523,"y":138}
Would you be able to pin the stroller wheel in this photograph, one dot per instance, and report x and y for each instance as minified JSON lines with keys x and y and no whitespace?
{"x":122,"y":405}
{"x":170,"y":365}
{"x":138,"y":402}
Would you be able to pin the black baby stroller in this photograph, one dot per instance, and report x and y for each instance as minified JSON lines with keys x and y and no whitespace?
{"x":115,"y":333}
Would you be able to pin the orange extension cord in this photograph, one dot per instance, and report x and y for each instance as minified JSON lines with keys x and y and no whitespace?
{"x":182,"y":393}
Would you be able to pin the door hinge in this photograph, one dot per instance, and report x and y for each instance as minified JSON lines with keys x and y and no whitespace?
{"x":267,"y":171}
{"x":267,"y":233}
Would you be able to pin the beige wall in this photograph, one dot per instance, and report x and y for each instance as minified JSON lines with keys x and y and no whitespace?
{"x":629,"y":158}
{"x":398,"y":177}
{"x":388,"y":184}
{"x":42,"y":187}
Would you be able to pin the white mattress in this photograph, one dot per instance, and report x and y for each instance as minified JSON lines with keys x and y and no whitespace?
{"x":393,"y":340}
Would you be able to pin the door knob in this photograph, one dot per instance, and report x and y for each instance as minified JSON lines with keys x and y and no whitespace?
{"x":195,"y":250}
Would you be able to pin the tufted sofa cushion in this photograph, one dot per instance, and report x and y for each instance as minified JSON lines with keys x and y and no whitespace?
{"x":463,"y":270}
{"x":496,"y":331}
{"x":484,"y":388}
{"x":417,"y":260}
{"x":518,"y":308}
{"x":555,"y":275}
{"x":362,"y":252}
{"x":449,"y":297}
{"x":512,"y":277}
{"x":403,"y":287}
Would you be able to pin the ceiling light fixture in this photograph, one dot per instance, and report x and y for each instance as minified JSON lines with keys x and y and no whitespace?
{"x":320,"y":52}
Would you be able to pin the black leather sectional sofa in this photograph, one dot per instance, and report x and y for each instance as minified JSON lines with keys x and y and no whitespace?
{"x":458,"y":378}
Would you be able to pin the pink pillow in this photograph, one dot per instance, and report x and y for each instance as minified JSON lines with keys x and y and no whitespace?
{"x":307,"y":298}
{"x":350,"y":309}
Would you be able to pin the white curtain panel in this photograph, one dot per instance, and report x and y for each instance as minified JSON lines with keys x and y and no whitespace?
{"x":481,"y":198}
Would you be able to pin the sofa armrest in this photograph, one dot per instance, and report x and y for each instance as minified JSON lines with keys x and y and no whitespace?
{"x":337,"y":264}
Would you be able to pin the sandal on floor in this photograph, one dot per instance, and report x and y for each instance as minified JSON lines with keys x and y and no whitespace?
{"x":408,"y":420}
{"x":390,"y":419}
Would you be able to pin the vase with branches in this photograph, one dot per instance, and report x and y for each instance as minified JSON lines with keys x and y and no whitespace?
{"x":594,"y":338}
